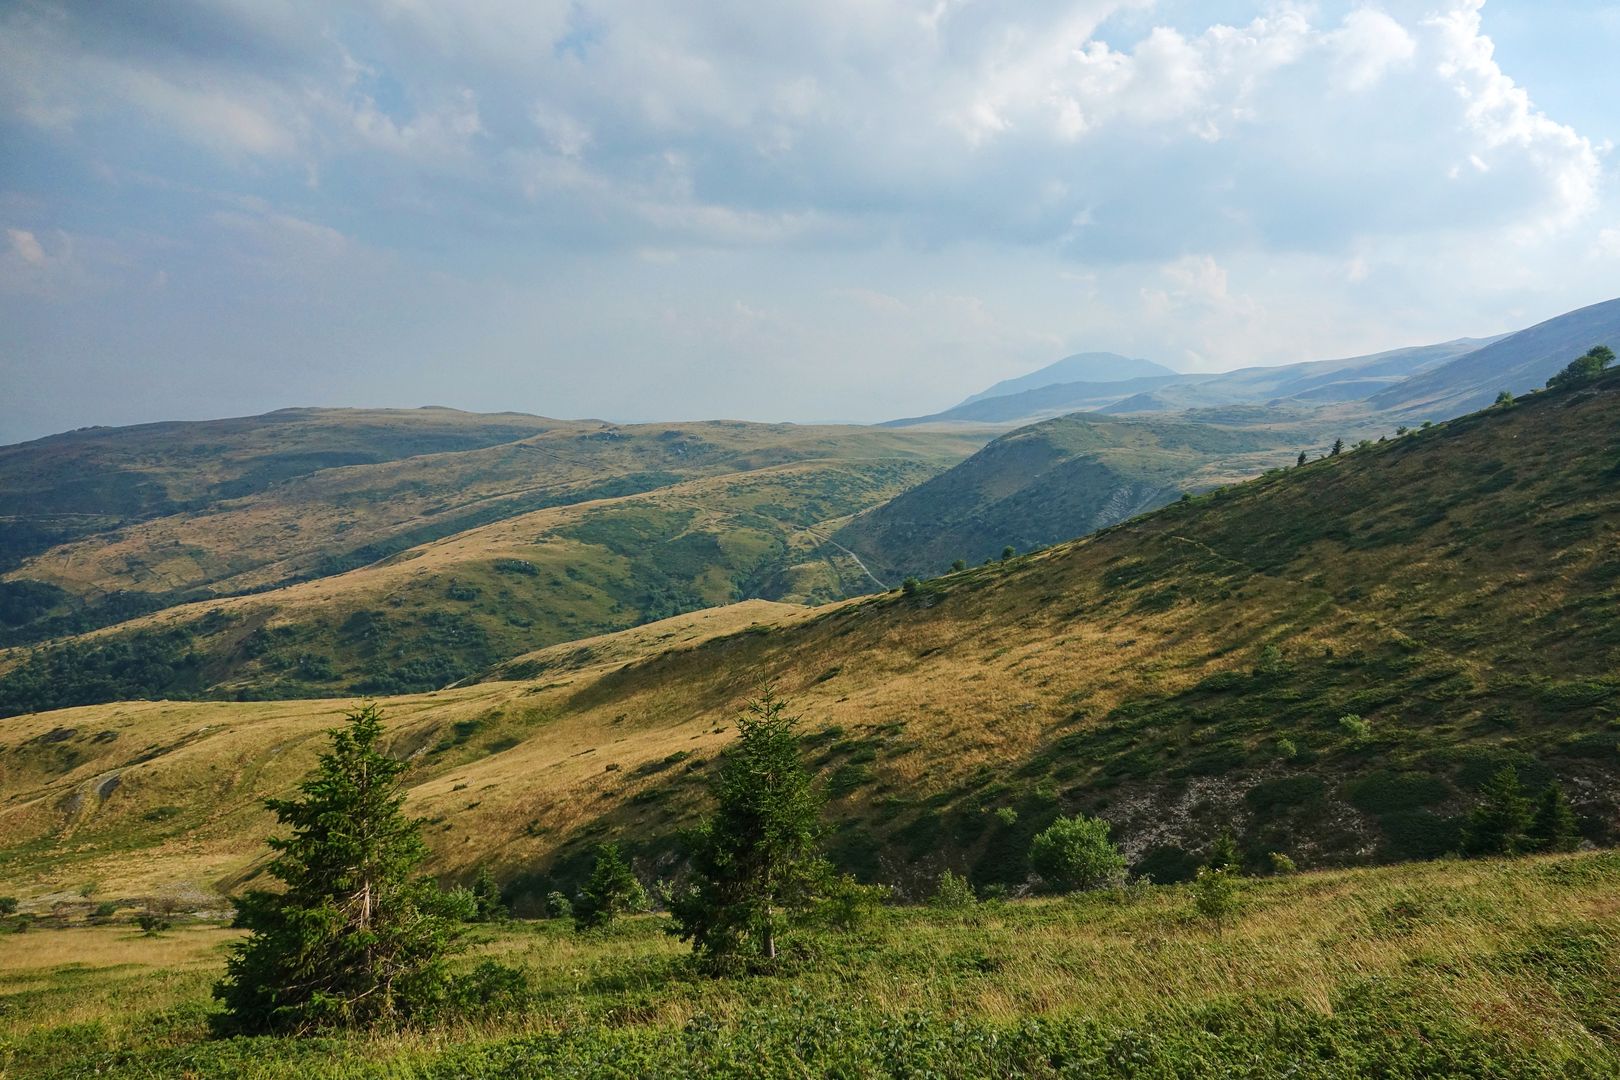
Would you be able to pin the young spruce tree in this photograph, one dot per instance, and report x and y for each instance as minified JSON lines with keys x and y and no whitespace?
{"x":1553,"y":827}
{"x":1499,"y":823}
{"x":759,"y":856}
{"x":353,"y":939}
{"x":489,"y":907}
{"x":611,"y":891}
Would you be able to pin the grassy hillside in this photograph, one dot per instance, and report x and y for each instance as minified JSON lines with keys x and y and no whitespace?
{"x":444,"y":610}
{"x":95,"y":479}
{"x":1330,"y":659}
{"x":1066,"y":477}
{"x":1485,"y":969}
{"x":228,"y":537}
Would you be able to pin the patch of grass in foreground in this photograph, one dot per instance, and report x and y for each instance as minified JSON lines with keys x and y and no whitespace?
{"x":1439,"y":969}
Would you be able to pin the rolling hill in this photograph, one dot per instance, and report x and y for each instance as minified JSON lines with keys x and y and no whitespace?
{"x":211,"y":526}
{"x":1330,"y":659}
{"x":440,"y":610}
{"x":1069,"y":476}
{"x":1345,"y":380}
{"x":1517,"y":363}
{"x":1314,"y":381}
{"x":97,"y":479}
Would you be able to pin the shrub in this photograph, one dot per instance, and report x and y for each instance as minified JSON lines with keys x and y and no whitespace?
{"x":1075,"y":853}
{"x":1167,"y":865}
{"x":8,"y":905}
{"x":491,"y":987}
{"x":1583,"y":368}
{"x":952,"y":892}
{"x":1282,"y":864}
{"x":1283,"y":792}
{"x":1215,"y":894}
{"x":909,"y":586}
{"x":848,"y":905}
{"x":1386,"y":792}
{"x":151,"y":922}
{"x":460,"y":904}
{"x":558,"y":906}
{"x":1419,"y":834}
{"x":1356,"y":728}
{"x":106,"y":909}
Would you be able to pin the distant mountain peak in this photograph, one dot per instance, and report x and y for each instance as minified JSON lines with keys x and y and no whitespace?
{"x":1086,"y":367}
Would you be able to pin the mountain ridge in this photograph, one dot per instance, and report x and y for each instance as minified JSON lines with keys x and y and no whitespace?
{"x":1076,"y":367}
{"x":1328,"y":659}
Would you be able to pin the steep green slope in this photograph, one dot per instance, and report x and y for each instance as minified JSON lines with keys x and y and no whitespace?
{"x":1330,"y":660}
{"x":1066,"y":477}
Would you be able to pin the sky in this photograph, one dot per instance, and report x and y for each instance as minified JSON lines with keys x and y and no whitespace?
{"x":808,"y":210}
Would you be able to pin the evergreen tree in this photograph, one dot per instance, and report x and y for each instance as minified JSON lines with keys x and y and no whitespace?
{"x":1338,"y":448}
{"x":354,"y":938}
{"x":1223,"y":855}
{"x":1301,"y":460}
{"x":487,"y":903}
{"x":1497,"y":825}
{"x":759,"y":855}
{"x":1553,"y":826}
{"x":611,"y":891}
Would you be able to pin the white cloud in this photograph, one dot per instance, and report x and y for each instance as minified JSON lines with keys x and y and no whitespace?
{"x":1368,"y":45}
{"x":1508,"y":126}
{"x":25,"y":246}
{"x":918,"y":185}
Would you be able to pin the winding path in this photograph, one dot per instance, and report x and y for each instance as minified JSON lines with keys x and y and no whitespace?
{"x":829,"y":540}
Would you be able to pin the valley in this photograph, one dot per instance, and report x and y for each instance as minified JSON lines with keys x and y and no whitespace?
{"x":1329,"y":659}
